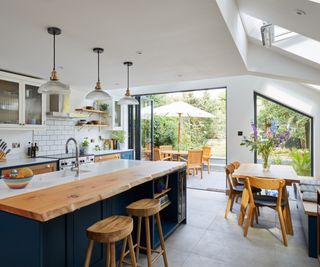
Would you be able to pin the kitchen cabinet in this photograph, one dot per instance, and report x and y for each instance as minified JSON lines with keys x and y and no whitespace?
{"x":106,"y":157}
{"x":21,"y":106}
{"x":37,"y":169}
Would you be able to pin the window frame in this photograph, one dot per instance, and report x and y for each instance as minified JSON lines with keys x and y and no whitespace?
{"x":255,"y":98}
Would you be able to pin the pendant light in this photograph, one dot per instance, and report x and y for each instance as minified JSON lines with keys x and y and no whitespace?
{"x":98,"y":93}
{"x":54,"y":86}
{"x":128,"y":99}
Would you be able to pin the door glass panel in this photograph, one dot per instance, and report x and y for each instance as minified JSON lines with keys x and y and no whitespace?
{"x":33,"y":105}
{"x":117,"y":114}
{"x":9,"y":102}
{"x":146,"y":130}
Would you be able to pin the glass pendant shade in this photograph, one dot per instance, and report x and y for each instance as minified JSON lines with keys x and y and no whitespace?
{"x":54,"y":86}
{"x":98,"y":94}
{"x":128,"y":99}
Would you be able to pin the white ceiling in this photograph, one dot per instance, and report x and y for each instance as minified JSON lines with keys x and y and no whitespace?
{"x":177,"y":37}
{"x":283,"y":13}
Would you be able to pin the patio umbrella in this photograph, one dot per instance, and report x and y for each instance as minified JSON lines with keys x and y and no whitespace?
{"x":181,"y":109}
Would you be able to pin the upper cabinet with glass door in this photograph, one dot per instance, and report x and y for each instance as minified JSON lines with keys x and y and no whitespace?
{"x":10,"y":106}
{"x":21,"y":106}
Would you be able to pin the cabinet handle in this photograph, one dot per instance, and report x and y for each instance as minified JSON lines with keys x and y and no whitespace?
{"x":100,"y":157}
{"x":48,"y":166}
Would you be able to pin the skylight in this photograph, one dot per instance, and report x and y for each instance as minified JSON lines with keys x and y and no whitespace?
{"x":282,"y":38}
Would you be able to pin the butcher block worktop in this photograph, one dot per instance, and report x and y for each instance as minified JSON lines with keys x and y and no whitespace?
{"x":51,"y":195}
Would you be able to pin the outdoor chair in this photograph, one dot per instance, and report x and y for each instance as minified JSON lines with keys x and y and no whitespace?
{"x":194,"y":161}
{"x":206,"y":156}
{"x":166,"y":148}
{"x":159,"y":156}
{"x":256,"y":201}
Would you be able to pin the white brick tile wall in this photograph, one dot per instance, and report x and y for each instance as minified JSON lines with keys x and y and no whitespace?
{"x":52,"y":140}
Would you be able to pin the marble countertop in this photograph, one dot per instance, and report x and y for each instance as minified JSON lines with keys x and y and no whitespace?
{"x":12,"y":163}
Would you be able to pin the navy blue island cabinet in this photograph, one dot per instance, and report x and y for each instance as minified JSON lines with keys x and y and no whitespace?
{"x":62,"y":241}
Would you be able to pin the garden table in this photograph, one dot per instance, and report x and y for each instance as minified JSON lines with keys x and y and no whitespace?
{"x":284,"y":172}
{"x":170,"y":152}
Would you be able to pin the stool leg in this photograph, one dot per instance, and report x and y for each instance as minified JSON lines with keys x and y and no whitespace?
{"x":163,"y":247}
{"x":123,"y":251}
{"x":148,"y":241}
{"x":138,"y":238}
{"x":107,"y":254}
{"x":89,"y":253}
{"x":113,"y":254}
{"x":131,"y":249}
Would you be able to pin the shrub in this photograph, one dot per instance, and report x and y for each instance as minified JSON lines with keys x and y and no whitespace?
{"x":301,"y":161}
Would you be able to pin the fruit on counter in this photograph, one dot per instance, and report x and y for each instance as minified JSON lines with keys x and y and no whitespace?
{"x":22,"y":173}
{"x":25,"y":172}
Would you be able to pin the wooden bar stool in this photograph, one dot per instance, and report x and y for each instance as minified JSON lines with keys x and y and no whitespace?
{"x":109,"y":231}
{"x":145,"y":208}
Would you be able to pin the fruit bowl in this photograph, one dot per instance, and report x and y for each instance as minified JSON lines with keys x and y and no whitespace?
{"x":17,"y":183}
{"x":18,"y":179}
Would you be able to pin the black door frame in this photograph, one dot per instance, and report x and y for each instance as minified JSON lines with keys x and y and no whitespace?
{"x":134,"y":128}
{"x":255,"y":97}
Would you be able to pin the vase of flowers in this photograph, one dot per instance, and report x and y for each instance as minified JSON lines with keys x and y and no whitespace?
{"x":263,"y":142}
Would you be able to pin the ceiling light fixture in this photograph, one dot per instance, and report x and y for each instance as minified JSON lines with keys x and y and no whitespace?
{"x":300,"y":12}
{"x":128,"y":99}
{"x":98,"y":93}
{"x":54,"y":86}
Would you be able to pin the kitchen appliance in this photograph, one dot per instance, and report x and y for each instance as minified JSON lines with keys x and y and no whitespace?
{"x":67,"y":161}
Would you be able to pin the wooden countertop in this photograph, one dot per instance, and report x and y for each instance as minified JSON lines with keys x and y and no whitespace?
{"x":45,"y":204}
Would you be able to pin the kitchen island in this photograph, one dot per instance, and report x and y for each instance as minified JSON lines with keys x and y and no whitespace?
{"x":45,"y":224}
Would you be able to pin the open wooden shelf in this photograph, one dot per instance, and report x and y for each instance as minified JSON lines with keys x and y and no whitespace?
{"x":165,"y":205}
{"x":157,"y":195}
{"x":90,"y":126}
{"x":91,"y":111}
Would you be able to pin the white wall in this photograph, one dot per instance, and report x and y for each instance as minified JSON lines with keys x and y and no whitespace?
{"x":240,"y":106}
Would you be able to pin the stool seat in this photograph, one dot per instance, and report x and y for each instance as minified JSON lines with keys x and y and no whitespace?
{"x":144,"y":207}
{"x":112,"y":229}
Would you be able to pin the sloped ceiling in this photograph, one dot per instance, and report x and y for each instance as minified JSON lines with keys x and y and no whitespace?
{"x":180,"y":40}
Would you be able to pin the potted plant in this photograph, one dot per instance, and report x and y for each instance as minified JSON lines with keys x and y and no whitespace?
{"x":118,"y":137}
{"x":264,"y":142}
{"x":84,"y":146}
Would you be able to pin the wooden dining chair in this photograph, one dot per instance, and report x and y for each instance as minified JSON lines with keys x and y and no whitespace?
{"x":234,"y":190}
{"x":194,"y":161}
{"x":206,"y":156}
{"x":157,"y":155}
{"x":236,"y":165}
{"x":166,"y":148}
{"x":255,"y":201}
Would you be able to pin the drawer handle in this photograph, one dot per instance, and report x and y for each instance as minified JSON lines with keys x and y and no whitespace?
{"x":48,"y":166}
{"x":100,"y":157}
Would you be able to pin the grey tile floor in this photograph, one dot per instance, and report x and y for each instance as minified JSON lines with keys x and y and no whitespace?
{"x":209,"y":240}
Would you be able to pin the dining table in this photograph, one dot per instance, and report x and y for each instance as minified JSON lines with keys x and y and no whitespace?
{"x":285,"y":172}
{"x":177,"y":153}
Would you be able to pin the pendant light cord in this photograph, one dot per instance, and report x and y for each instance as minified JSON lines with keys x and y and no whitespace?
{"x":128,"y":77}
{"x":98,"y":66}
{"x":54,"y":51}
